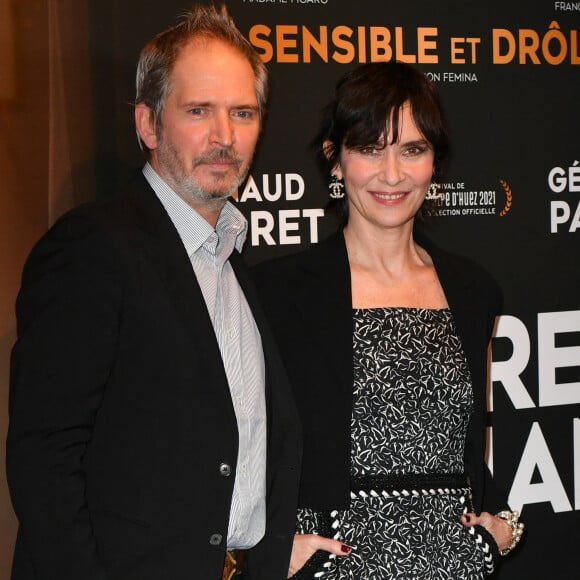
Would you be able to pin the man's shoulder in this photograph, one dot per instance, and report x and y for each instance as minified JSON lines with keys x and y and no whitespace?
{"x":101,"y":223}
{"x":124,"y":207}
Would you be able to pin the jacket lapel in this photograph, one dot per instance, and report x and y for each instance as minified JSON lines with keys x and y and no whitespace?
{"x":162,"y":248}
{"x":457,"y":283}
{"x":325,"y":303}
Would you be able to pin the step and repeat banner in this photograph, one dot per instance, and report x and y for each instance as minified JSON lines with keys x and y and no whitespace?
{"x":509,"y":76}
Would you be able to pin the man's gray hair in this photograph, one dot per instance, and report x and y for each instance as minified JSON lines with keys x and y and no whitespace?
{"x":158,"y":57}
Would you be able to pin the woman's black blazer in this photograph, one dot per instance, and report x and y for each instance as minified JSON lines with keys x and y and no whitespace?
{"x":307,"y":298}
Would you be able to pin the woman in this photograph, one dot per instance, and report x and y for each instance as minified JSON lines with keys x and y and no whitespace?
{"x":385,"y":339}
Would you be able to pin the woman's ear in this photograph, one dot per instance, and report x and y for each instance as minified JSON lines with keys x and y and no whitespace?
{"x":328,"y":149}
{"x":145,"y":125}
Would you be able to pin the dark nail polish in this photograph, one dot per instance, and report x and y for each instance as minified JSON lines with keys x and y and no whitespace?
{"x":467,"y":519}
{"x":344,"y":548}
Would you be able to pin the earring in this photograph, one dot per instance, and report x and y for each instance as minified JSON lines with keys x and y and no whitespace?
{"x":432,"y":191}
{"x":336,"y":187}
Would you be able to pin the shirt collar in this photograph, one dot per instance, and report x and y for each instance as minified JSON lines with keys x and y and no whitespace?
{"x":193,"y":229}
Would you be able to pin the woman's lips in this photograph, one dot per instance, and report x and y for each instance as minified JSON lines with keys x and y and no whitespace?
{"x":394,"y":196}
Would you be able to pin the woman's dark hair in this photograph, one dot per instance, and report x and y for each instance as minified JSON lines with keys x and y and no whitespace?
{"x":368,"y":97}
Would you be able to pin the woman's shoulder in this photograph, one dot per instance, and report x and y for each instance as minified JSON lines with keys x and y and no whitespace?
{"x":463,"y":271}
{"x":315,"y":259}
{"x":452,"y":259}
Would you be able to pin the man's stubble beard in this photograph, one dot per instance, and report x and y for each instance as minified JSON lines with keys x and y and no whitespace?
{"x":187,"y":186}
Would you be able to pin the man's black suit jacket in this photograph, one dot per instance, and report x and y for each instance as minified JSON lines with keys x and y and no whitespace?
{"x":307,"y":298}
{"x":120,"y":411}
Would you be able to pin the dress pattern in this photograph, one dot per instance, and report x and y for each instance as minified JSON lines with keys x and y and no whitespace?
{"x":412,"y":401}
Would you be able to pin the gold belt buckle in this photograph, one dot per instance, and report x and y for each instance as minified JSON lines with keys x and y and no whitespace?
{"x":233,"y":563}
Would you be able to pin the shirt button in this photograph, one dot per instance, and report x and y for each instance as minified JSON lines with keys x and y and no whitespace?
{"x":215,"y":539}
{"x":225,"y":469}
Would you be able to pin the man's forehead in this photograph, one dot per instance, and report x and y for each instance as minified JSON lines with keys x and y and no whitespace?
{"x":203,"y":44}
{"x":209,"y":64}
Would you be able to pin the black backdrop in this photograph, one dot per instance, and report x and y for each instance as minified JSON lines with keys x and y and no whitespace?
{"x":509,"y":76}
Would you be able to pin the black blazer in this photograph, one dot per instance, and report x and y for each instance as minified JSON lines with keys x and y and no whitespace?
{"x":120,"y":410}
{"x":307,"y":298}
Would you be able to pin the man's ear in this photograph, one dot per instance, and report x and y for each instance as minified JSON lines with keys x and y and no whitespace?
{"x":145,"y":125}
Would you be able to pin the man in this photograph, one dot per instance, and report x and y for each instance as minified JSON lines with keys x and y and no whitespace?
{"x":151,"y":424}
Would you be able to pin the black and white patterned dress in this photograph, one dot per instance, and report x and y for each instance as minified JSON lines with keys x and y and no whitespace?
{"x":412,"y":402}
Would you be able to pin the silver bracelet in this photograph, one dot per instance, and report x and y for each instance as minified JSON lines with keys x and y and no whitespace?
{"x":512,"y":518}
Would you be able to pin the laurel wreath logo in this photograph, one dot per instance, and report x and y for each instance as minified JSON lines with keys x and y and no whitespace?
{"x":508,"y":197}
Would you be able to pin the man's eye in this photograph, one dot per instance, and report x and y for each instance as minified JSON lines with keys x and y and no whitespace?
{"x":196,"y":111}
{"x":244,"y":114}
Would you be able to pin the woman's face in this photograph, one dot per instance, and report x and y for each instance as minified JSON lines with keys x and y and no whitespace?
{"x":386,"y":184}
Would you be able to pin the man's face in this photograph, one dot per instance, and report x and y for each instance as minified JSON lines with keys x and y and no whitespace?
{"x":209,"y":126}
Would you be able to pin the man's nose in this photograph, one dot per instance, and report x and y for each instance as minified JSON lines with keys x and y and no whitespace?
{"x":222,"y":131}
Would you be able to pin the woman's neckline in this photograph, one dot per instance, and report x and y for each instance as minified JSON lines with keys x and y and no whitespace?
{"x":415,"y":308}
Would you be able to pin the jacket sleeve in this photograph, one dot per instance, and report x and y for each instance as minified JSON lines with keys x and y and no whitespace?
{"x":68,"y":315}
{"x":493,"y":499}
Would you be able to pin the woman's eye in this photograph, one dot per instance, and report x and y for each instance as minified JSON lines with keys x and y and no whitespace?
{"x":415,"y":149}
{"x":370,"y":149}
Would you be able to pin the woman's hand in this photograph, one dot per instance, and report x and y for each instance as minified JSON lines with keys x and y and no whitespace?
{"x":305,"y":545}
{"x":498,"y":528}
